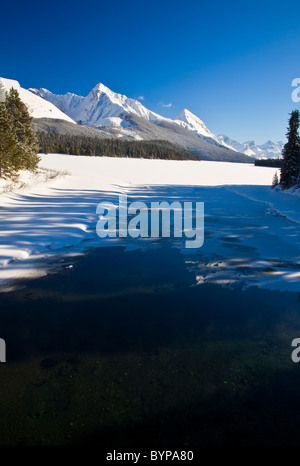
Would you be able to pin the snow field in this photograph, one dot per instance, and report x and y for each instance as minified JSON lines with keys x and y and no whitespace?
{"x":55,"y":217}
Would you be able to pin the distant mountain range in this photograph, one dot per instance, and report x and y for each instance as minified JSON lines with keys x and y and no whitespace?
{"x":109,"y":113}
{"x":269,"y":150}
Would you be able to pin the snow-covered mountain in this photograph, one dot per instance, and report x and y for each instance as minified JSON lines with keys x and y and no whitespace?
{"x":269,"y":150}
{"x":37,"y":107}
{"x":101,"y":107}
{"x":113,"y":113}
{"x":67,"y":103}
{"x":272,"y":150}
{"x":104,"y":113}
{"x":191,"y":122}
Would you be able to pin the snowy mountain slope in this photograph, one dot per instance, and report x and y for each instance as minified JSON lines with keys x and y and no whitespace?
{"x":67,"y":103}
{"x":269,"y":150}
{"x":37,"y":107}
{"x":191,"y":122}
{"x":105,"y":109}
{"x":272,"y":149}
{"x":142,"y":129}
{"x":111,"y":112}
{"x":119,"y":116}
{"x":235,"y":145}
{"x":54,"y":126}
{"x":101,"y":107}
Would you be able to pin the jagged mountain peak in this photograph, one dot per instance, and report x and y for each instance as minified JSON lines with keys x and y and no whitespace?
{"x":193,"y":123}
{"x":185,"y":113}
{"x":103,"y":107}
{"x":187,"y":116}
{"x":100,"y":88}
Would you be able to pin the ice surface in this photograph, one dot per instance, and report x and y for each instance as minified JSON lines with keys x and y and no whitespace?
{"x":251,"y":231}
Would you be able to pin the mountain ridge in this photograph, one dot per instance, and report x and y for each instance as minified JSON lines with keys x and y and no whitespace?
{"x":103,"y":107}
{"x":120,"y":116}
{"x":268,"y":150}
{"x":117,"y":115}
{"x":36,"y":108}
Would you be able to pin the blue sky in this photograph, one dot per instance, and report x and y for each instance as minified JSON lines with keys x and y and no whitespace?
{"x":231,"y":63}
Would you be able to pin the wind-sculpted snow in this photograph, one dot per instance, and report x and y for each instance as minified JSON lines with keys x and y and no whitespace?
{"x":251,"y":231}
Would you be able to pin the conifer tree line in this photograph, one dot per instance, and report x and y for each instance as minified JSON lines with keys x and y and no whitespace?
{"x":18,"y":141}
{"x":111,"y":147}
{"x":277,"y":163}
{"x":290,"y":170}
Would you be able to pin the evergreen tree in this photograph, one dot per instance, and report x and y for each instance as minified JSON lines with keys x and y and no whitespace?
{"x":85,"y":145}
{"x":9,"y":153}
{"x":22,"y":126}
{"x":275,"y":181}
{"x":2,"y":92}
{"x":290,"y":170}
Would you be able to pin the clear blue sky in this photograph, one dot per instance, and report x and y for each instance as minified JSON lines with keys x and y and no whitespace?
{"x":231,"y":63}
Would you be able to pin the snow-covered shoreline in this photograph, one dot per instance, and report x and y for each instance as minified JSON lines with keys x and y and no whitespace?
{"x":58,"y":216}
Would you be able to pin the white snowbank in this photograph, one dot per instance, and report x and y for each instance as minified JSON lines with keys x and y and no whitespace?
{"x":59,"y":216}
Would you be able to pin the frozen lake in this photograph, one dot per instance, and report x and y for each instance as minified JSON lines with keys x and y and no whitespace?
{"x":147,"y":342}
